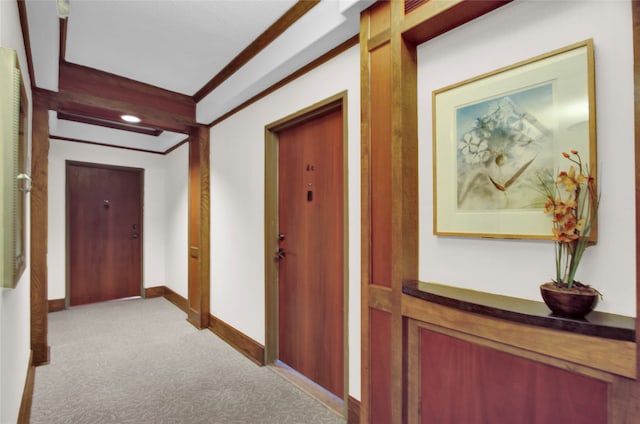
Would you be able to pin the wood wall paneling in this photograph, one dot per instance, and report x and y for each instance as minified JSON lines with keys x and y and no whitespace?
{"x":385,"y":23}
{"x":39,"y":228}
{"x":467,"y":383}
{"x":379,"y":402}
{"x":380,"y":158}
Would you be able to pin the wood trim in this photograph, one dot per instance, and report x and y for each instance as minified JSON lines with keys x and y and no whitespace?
{"x":414,"y":381}
{"x":292,"y":77}
{"x":133,"y":149}
{"x":378,"y":40}
{"x":237,"y":339}
{"x":176,"y":299}
{"x":635,"y":14}
{"x":365,"y":216}
{"x":108,"y":123}
{"x":594,"y":352}
{"x":434,"y":18}
{"x":329,"y":400}
{"x":353,"y":410}
{"x":39,"y":229}
{"x":157,"y":291}
{"x":56,"y":305}
{"x":166,"y":152}
{"x":95,"y":143}
{"x":24,"y":26}
{"x":379,"y":297}
{"x":625,"y":400}
{"x":24,"y":415}
{"x":290,"y":17}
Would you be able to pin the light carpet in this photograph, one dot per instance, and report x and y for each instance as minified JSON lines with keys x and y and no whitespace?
{"x":139,"y":361}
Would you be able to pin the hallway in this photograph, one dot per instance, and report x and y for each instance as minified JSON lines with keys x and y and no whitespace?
{"x":140,"y":361}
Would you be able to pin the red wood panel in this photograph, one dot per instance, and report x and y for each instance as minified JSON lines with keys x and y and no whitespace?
{"x":311,"y":275}
{"x":380,"y":367}
{"x":381,"y":164}
{"x":462,"y":382}
{"x":104,"y":229}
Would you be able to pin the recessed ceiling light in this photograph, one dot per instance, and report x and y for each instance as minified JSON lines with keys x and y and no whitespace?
{"x":130,"y":118}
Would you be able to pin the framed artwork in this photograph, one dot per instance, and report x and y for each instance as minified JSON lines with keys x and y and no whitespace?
{"x":496,"y":135}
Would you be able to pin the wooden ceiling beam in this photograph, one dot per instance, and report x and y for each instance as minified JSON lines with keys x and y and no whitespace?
{"x":91,"y":92}
{"x":83,"y":103}
{"x":77,"y":78}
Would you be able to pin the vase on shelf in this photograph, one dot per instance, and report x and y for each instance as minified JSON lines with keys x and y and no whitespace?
{"x":574,"y":302}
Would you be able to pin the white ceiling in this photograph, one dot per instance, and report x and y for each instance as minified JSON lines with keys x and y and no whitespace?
{"x":179,"y":45}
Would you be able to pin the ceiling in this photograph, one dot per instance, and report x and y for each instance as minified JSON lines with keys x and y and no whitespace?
{"x":193,"y":61}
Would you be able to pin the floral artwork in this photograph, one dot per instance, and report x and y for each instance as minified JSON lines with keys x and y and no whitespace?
{"x":503,"y":144}
{"x":496,"y":135}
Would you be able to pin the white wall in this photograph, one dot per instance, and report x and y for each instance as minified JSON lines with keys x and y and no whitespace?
{"x":176,"y":234}
{"x":15,"y":303}
{"x":519,"y":31}
{"x":237,"y":200}
{"x":154,"y":220}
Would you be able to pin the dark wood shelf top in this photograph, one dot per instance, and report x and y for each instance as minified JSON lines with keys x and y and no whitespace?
{"x":598,"y":324}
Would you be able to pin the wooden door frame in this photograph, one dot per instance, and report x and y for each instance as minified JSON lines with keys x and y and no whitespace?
{"x":140,"y":172}
{"x":271,"y":225}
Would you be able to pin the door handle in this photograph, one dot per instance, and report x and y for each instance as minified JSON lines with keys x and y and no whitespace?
{"x":280,"y":254}
{"x":135,"y":235}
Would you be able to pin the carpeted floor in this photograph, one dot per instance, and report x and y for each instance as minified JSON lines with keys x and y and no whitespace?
{"x":139,"y":361}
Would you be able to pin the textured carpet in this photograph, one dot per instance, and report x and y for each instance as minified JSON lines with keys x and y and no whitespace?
{"x":139,"y":361}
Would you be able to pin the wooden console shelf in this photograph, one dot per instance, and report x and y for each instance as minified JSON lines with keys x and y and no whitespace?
{"x":598,"y":324}
{"x":602,"y":344}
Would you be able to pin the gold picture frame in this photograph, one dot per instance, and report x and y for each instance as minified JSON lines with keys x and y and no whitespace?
{"x":496,"y":134}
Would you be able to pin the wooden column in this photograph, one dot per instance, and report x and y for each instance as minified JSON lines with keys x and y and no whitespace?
{"x":39,"y":228}
{"x":199,"y":283}
{"x":389,"y":40}
{"x":389,"y":219}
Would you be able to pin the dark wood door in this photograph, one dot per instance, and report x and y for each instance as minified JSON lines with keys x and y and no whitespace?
{"x":104,"y":232}
{"x":311,"y":270}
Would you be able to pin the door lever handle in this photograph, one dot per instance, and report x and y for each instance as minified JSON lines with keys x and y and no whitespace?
{"x":135,"y":235}
{"x":280,"y":254}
